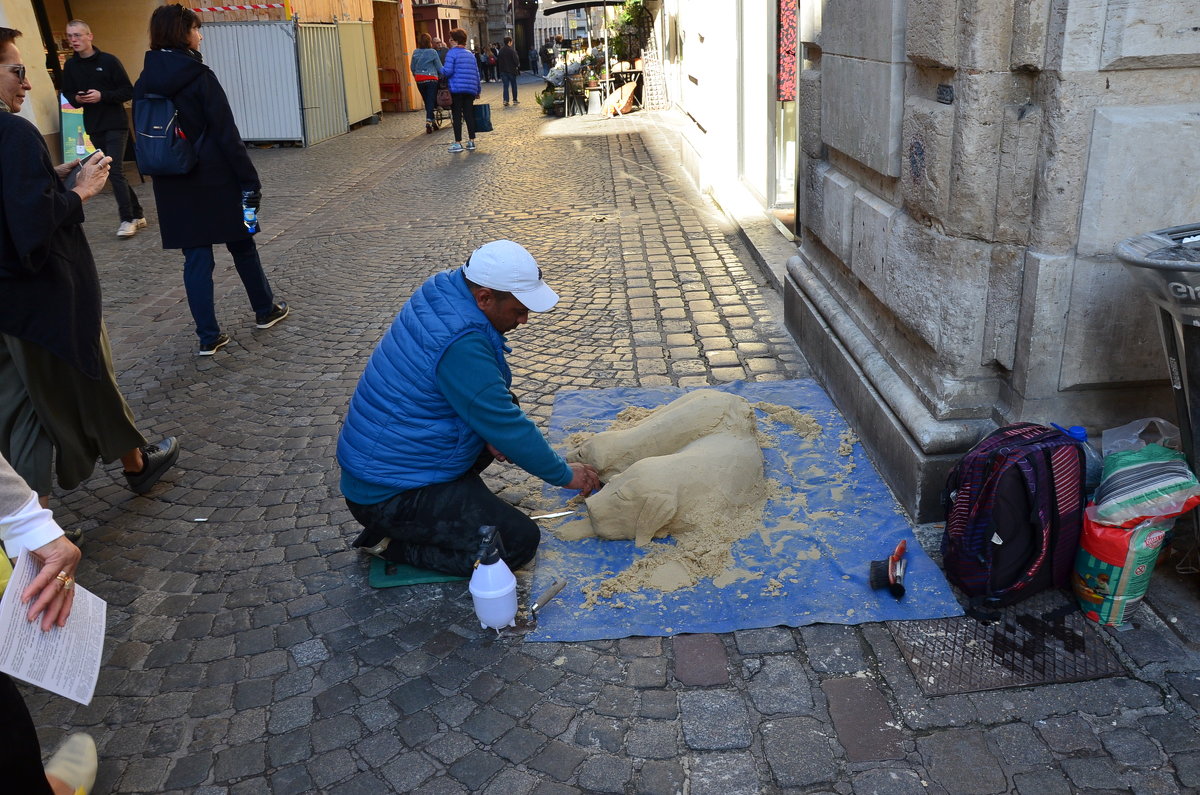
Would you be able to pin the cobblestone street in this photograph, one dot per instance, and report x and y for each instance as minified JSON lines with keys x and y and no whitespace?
{"x":246,"y":652}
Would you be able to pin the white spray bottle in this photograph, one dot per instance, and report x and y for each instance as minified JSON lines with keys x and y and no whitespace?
{"x":493,"y":587}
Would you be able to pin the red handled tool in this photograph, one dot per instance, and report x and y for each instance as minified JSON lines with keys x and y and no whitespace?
{"x":889,"y":573}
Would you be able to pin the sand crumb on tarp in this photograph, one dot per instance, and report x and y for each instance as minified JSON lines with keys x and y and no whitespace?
{"x":804,"y":424}
{"x":846,"y":441}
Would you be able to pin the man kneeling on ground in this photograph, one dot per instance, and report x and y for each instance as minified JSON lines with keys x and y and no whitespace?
{"x":433,"y":409}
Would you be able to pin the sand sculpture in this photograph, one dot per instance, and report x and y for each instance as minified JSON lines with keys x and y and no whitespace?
{"x":689,"y":465}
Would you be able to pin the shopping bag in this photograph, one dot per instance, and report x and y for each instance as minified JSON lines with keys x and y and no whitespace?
{"x":483,"y":118}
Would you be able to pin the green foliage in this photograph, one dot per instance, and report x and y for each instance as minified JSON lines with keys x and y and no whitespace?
{"x":547,"y":100}
{"x":631,"y":31}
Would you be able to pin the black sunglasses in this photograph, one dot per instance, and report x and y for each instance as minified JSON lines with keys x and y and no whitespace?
{"x":16,"y":67}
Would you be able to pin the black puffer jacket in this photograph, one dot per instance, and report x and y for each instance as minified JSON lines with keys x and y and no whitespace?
{"x":205,"y":206}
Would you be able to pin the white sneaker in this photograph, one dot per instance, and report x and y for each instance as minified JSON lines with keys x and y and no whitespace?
{"x":140,"y":223}
{"x":74,"y":763}
{"x":455,"y":147}
{"x":127,"y":229}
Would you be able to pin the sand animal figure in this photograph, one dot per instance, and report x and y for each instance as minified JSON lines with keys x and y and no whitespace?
{"x":687,"y":466}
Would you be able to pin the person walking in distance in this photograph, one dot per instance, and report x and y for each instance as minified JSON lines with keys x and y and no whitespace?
{"x":426,"y":67}
{"x":463,"y":72}
{"x":199,"y":209}
{"x":509,"y":65}
{"x":60,"y":406}
{"x":493,"y":60}
{"x":96,"y":81}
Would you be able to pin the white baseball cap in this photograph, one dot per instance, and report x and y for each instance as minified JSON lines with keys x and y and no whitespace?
{"x":505,"y":265}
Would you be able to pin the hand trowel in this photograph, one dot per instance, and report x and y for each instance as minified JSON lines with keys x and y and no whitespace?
{"x":529,"y":623}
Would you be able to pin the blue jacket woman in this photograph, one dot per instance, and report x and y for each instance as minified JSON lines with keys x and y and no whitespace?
{"x":463,"y":71}
{"x":426,"y":68}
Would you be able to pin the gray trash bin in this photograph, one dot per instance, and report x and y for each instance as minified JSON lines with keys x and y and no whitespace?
{"x":1166,"y":265}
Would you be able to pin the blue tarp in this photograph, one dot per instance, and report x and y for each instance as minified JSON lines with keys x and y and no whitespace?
{"x":831,"y":517}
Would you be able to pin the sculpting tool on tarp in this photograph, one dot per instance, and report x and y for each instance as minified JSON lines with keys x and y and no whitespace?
{"x":554,"y":515}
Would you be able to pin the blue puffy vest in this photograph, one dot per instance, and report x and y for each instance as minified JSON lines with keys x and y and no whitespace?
{"x":400,"y":431}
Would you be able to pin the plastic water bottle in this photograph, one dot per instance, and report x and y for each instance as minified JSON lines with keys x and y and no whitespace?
{"x":1093,"y":461}
{"x":250,"y":218}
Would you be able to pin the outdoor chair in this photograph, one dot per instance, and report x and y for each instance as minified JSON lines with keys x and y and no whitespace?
{"x":390,"y":88}
{"x":576,"y":95}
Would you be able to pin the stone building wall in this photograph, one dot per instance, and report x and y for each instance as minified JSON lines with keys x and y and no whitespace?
{"x":967,"y":167}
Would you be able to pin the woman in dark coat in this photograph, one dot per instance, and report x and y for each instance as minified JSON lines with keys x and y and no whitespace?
{"x":204,"y":207}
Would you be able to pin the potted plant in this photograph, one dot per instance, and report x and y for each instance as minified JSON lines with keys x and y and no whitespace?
{"x":590,"y":75}
{"x":547,"y":100}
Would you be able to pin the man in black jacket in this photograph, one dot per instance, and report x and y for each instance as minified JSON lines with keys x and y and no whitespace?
{"x":509,"y":66}
{"x":96,"y":81}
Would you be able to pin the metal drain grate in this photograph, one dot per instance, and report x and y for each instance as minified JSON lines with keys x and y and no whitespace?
{"x":961,"y":655}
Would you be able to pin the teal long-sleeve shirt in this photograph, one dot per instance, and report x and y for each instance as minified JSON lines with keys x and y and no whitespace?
{"x":470,"y":379}
{"x":472,"y":384}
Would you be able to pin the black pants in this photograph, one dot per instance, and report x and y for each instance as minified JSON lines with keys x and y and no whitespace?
{"x":437,"y":527}
{"x":112,"y":143}
{"x":428,"y":89}
{"x":20,"y":754}
{"x":464,"y":106}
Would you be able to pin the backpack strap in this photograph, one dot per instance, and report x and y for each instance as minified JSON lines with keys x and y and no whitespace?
{"x":1067,"y":464}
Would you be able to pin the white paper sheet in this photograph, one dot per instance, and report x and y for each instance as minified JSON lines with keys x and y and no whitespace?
{"x":65,"y":660}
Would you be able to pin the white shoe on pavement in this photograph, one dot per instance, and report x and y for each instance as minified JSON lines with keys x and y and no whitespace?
{"x":127,"y":229}
{"x":140,"y":223}
{"x":75,"y":763}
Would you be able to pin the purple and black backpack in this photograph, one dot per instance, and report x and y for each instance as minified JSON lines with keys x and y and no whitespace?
{"x":1014,"y":509}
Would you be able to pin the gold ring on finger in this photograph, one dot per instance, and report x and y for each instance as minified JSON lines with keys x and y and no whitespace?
{"x":63,"y":578}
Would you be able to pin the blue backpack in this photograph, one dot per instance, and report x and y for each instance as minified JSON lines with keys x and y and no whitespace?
{"x":160,"y":145}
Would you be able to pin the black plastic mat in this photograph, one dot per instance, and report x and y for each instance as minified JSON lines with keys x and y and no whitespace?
{"x":1028,"y":645}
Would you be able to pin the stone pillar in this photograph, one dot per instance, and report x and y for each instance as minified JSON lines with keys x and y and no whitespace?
{"x":967,"y":167}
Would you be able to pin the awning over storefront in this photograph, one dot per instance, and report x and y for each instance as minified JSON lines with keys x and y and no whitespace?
{"x":561,"y":6}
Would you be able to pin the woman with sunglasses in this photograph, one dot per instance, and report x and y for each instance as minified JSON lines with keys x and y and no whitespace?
{"x":60,"y":406}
